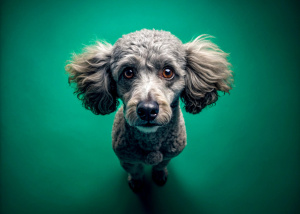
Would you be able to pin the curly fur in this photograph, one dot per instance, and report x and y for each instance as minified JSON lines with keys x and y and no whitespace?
{"x":207,"y":72}
{"x":201,"y":70}
{"x":90,"y":72}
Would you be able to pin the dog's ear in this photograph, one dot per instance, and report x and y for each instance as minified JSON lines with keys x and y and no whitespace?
{"x":207,"y":71}
{"x":91,"y":75}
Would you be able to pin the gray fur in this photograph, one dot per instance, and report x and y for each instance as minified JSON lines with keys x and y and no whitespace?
{"x":200,"y":67}
{"x":90,"y":71}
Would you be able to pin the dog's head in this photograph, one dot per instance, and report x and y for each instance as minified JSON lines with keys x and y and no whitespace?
{"x":149,"y":71}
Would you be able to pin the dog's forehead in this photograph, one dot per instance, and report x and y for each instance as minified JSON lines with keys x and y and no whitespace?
{"x":145,"y":41}
{"x":148,"y":45}
{"x":147,"y":38}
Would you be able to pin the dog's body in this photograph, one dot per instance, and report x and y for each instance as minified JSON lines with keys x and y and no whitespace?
{"x":135,"y":148}
{"x":149,"y":71}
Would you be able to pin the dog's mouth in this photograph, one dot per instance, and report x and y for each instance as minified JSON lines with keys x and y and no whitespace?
{"x":149,"y":125}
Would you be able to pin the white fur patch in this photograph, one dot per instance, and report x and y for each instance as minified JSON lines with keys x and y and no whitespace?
{"x":147,"y":129}
{"x":147,"y":85}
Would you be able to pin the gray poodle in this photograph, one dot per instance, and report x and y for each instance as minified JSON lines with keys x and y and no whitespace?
{"x":149,"y":70}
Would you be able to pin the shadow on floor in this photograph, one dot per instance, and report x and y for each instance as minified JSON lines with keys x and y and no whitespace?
{"x":171,"y":198}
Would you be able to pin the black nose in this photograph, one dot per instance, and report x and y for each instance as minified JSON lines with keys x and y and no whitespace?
{"x":147,"y":110}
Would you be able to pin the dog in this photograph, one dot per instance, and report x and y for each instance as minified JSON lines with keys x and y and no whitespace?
{"x":149,"y":71}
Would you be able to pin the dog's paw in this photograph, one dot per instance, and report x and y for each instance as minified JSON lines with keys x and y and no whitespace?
{"x":136,"y":185}
{"x":154,"y":158}
{"x":160,"y":176}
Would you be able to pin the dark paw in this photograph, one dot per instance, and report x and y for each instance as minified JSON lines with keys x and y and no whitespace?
{"x":135,"y":185}
{"x":160,"y":176}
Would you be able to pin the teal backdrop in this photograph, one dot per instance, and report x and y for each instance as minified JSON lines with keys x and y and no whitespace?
{"x":242,"y":154}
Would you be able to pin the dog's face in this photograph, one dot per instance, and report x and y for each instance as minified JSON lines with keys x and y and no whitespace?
{"x":149,"y":71}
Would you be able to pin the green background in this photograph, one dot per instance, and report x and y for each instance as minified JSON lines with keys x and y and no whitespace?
{"x":242,"y":154}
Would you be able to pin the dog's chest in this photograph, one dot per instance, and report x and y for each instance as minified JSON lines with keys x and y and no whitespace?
{"x":135,"y":146}
{"x":132,"y":145}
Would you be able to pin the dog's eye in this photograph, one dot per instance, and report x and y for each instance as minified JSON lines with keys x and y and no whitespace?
{"x":168,"y":73}
{"x":128,"y":73}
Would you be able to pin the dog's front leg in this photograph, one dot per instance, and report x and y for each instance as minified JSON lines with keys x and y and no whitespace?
{"x":135,"y":175}
{"x":160,"y":172}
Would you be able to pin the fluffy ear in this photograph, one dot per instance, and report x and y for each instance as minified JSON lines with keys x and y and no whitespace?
{"x":207,"y":71}
{"x":90,"y":73}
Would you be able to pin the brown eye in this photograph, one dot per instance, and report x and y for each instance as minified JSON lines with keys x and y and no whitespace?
{"x":128,"y":73}
{"x":167,"y":73}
